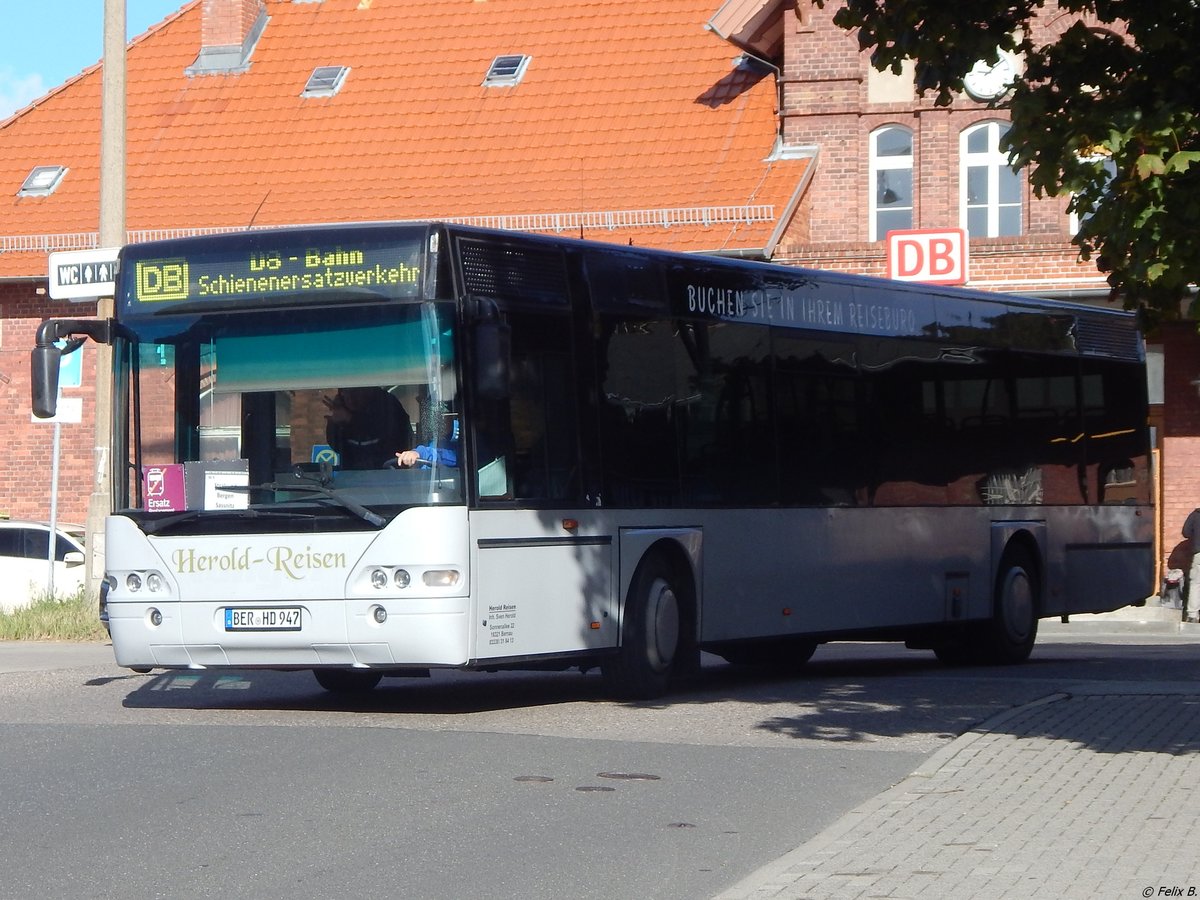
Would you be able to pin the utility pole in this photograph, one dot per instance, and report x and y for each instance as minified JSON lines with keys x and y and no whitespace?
{"x":112,"y":234}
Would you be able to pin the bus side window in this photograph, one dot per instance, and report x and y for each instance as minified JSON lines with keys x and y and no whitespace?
{"x":820,"y":420}
{"x":726,"y":438}
{"x":528,"y":441}
{"x":1116,"y":450}
{"x":641,"y":403}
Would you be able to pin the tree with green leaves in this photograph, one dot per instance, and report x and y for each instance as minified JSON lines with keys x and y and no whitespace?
{"x":1105,"y":112}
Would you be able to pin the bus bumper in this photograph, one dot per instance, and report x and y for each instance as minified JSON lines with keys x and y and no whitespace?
{"x":414,"y":632}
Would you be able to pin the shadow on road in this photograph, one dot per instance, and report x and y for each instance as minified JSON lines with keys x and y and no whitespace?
{"x":848,"y":695}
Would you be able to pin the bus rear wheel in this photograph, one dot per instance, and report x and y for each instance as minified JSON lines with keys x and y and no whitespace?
{"x":652,"y":633}
{"x":347,"y":681}
{"x":1008,"y":637}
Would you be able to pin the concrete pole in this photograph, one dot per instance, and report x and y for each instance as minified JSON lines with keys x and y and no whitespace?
{"x":112,"y":234}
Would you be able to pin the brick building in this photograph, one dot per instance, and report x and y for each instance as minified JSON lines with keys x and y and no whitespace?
{"x":749,"y":127}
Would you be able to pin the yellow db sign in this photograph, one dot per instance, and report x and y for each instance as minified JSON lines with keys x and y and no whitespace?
{"x":162,"y":279}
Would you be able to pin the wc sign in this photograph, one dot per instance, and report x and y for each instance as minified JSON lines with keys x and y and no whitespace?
{"x":934,"y":257}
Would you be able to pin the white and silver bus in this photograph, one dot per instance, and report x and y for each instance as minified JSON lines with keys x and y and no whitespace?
{"x":633,"y":456}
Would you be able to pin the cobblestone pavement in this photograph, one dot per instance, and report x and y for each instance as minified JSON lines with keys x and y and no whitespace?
{"x":1079,"y":795}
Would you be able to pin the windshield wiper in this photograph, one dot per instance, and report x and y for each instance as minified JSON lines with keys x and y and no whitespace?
{"x":154,"y":526}
{"x":320,"y":490}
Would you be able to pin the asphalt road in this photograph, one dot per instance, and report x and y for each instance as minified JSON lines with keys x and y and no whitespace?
{"x":259,"y":784}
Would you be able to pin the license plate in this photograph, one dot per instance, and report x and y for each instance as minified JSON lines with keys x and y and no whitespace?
{"x":254,"y":618}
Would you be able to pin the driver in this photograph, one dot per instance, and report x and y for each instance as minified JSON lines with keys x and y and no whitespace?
{"x":424,"y":455}
{"x":367,"y":426}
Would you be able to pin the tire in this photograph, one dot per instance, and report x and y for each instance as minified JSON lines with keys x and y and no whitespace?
{"x":652,"y":633}
{"x":347,"y":681}
{"x":1010,"y":634}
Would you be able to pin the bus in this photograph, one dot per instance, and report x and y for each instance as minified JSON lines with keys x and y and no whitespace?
{"x":630,"y":457}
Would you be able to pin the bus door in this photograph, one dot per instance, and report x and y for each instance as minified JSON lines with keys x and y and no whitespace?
{"x":543,"y":563}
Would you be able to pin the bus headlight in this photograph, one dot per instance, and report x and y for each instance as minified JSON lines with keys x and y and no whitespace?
{"x":379,"y":579}
{"x":402,"y":578}
{"x":154,"y":617}
{"x":379,"y":614}
{"x":440,"y":577}
{"x":135,"y":581}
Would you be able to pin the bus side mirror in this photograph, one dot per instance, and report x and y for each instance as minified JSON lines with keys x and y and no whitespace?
{"x":44,"y":362}
{"x":493,"y":351}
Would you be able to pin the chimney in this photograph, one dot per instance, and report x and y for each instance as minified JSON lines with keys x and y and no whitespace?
{"x":229,"y":29}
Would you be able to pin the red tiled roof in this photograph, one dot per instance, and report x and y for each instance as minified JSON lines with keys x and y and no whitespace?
{"x":629,"y":112}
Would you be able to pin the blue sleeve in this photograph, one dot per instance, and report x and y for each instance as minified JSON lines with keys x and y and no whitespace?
{"x":444,"y":456}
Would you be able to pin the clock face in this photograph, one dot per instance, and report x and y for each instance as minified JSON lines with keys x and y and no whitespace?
{"x":987,"y":81}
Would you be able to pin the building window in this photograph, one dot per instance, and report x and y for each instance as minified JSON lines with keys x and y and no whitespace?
{"x":991,"y":187}
{"x":42,"y":181}
{"x":1110,"y":172}
{"x":891,"y":181}
{"x":506,"y":71}
{"x":325,"y":81}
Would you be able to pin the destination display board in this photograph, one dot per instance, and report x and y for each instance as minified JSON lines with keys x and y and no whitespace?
{"x":259,"y":269}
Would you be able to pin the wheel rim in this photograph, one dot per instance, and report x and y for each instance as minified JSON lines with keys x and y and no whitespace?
{"x":662,"y":625}
{"x":1016,"y":605}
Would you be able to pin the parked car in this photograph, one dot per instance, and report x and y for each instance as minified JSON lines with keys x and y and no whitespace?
{"x":25,"y":566}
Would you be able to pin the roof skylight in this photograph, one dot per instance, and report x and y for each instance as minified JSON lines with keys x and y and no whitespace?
{"x":42,"y":181}
{"x":325,"y":81}
{"x":506,"y":71}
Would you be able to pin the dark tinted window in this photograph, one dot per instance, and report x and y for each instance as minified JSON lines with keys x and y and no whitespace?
{"x":717,"y":413}
{"x":12,"y":542}
{"x":1117,"y":455}
{"x":823,"y":436}
{"x":970,"y":426}
{"x":727,"y":442}
{"x":533,"y":431}
{"x":646,"y":383}
{"x":35,"y":543}
{"x":62,"y":547}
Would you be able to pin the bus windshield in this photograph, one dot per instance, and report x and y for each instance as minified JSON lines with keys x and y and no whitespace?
{"x":322,"y":415}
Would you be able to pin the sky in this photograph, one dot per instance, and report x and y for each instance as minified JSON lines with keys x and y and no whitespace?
{"x":44,"y":43}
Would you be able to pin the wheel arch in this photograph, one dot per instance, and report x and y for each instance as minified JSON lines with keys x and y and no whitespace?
{"x":1026,"y":537}
{"x":681,"y":548}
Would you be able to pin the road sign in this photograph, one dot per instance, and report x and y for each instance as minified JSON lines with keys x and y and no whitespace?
{"x":324,"y":453}
{"x":70,"y":412}
{"x":83,"y":274}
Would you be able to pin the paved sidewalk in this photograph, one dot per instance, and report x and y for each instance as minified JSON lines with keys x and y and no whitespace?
{"x":1079,"y":795}
{"x":1149,"y":619}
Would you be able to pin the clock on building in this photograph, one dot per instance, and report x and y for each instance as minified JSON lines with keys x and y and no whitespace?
{"x":989,"y":81}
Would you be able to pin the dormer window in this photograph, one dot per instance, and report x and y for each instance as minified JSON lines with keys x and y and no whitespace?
{"x":42,"y":181}
{"x":325,"y":81}
{"x":506,"y":71}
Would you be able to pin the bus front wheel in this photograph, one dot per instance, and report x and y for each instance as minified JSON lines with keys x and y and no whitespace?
{"x":347,"y":681}
{"x":652,"y":633}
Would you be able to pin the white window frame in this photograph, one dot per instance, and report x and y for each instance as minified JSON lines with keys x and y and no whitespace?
{"x":880,"y":165}
{"x":506,"y":70}
{"x":994,"y":160}
{"x":325,"y":81}
{"x":42,"y":181}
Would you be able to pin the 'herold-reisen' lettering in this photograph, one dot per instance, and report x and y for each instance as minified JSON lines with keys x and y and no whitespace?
{"x":287,"y":561}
